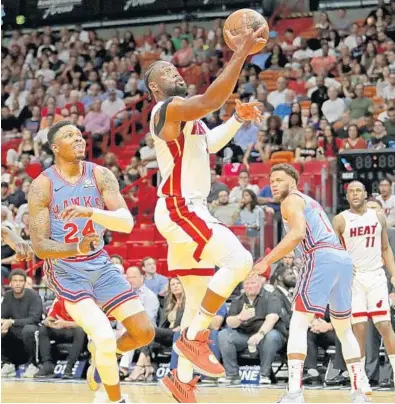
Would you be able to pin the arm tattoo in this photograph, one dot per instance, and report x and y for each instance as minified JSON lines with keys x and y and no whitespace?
{"x":40,"y":227}
{"x":109,"y":188}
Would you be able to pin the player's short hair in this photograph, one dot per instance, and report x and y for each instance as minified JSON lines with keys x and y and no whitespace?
{"x":148,"y":74}
{"x":54,"y":129}
{"x":17,"y":272}
{"x":288,"y":169}
{"x":357,"y":182}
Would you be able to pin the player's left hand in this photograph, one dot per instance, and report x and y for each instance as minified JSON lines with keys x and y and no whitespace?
{"x":23,"y":251}
{"x":75,"y":211}
{"x":255,"y":339}
{"x":249,"y":111}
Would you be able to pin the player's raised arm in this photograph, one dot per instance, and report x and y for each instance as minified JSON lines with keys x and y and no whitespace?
{"x":39,"y":220}
{"x":386,"y":251}
{"x":117,"y":217}
{"x":292,"y":209}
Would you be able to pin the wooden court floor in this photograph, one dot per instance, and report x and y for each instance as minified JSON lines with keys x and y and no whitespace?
{"x":77,"y":392}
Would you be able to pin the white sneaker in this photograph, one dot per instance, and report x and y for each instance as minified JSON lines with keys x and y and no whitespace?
{"x":30,"y":372}
{"x":292,"y":397}
{"x":265,"y":380}
{"x":8,"y":370}
{"x":364,"y":385}
{"x":101,"y":397}
{"x":359,"y":397}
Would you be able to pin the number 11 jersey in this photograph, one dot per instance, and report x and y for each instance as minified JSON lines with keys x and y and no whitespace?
{"x":362,"y":238}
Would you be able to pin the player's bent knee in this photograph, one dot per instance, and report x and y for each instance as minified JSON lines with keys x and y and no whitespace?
{"x":140,"y":328}
{"x":242,"y":263}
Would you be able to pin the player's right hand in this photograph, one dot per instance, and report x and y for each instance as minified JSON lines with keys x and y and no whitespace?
{"x":89,"y":243}
{"x":23,"y":251}
{"x":244,"y":41}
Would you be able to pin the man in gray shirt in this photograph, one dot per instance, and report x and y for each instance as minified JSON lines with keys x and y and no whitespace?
{"x":222,"y":210}
{"x":216,"y":187}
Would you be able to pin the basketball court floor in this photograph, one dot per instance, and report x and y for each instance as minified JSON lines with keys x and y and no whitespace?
{"x":51,"y":391}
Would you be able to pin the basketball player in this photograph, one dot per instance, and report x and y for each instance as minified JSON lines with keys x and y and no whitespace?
{"x":197,"y":241}
{"x":325,"y":279}
{"x":364,"y":233}
{"x":67,"y":222}
{"x":20,"y":246}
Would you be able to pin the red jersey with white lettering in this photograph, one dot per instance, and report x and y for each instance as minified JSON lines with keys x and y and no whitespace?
{"x":362,"y":237}
{"x":58,"y":311}
{"x":184,"y":163}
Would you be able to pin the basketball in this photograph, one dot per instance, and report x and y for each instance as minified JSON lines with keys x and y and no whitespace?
{"x":235,"y":24}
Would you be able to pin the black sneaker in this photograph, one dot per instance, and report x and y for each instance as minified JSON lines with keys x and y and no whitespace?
{"x":68,"y":374}
{"x":386,"y":383}
{"x":339,"y":380}
{"x":47,"y":370}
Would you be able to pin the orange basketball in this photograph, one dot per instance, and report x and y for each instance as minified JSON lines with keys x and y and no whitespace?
{"x":235,"y":24}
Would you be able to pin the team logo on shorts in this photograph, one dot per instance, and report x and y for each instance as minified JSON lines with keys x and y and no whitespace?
{"x":89,"y":183}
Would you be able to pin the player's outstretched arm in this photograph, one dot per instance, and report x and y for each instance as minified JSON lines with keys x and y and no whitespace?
{"x":39,"y":221}
{"x":197,"y":107}
{"x":386,"y":251}
{"x":20,"y":246}
{"x":292,"y":209}
{"x":220,"y":136}
{"x":117,"y":217}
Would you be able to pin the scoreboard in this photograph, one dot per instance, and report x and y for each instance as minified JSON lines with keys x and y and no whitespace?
{"x":367,"y":166}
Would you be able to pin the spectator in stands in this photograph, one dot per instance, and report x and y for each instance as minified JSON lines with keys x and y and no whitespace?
{"x":387,"y":200}
{"x":307,"y":148}
{"x":283,"y":110}
{"x":294,"y":135}
{"x":334,"y":107}
{"x":9,"y":122}
{"x":246,"y":135}
{"x":19,"y":197}
{"x":32,"y":124}
{"x":184,"y":56}
{"x":5,"y":193}
{"x":277,"y":59}
{"x":148,"y":153}
{"x":354,"y":141}
{"x":59,"y":327}
{"x":277,"y":97}
{"x":26,"y":145}
{"x":329,"y":145}
{"x":113,"y":104}
{"x":236,"y":194}
{"x":320,"y":95}
{"x":389,"y":123}
{"x":216,"y":187}
{"x":253,"y":320}
{"x":147,"y":297}
{"x":96,"y":121}
{"x":351,"y":40}
{"x":154,"y":281}
{"x":74,"y":101}
{"x":304,"y":52}
{"x":360,"y":105}
{"x":320,"y":334}
{"x":169,"y":323}
{"x":223,"y":210}
{"x":21,"y":311}
{"x":257,"y":152}
{"x":323,"y":62}
{"x":379,"y":139}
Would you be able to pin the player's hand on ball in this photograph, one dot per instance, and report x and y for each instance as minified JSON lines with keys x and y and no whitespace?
{"x":75,"y":211}
{"x":89,"y":243}
{"x":244,"y":41}
{"x":249,"y":111}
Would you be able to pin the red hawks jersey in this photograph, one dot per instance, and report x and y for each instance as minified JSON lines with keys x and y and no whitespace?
{"x":184,"y":163}
{"x":362,"y":236}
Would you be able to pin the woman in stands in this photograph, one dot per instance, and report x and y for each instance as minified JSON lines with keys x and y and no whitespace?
{"x":294,"y":134}
{"x":257,"y":152}
{"x":276,"y":60}
{"x":354,"y":140}
{"x":307,"y":149}
{"x":169,"y":323}
{"x":27,"y":144}
{"x":275,"y":134}
{"x":315,"y":116}
{"x":329,"y":145}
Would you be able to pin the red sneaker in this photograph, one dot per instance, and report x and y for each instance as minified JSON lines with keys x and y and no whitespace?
{"x":181,"y":392}
{"x":199,"y":353}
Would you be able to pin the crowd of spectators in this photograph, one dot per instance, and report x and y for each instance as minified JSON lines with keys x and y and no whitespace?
{"x":319,"y":95}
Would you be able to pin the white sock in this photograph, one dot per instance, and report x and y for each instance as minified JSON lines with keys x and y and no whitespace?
{"x":200,"y":322}
{"x":392,"y":361}
{"x":184,"y":370}
{"x":295,"y":371}
{"x":355,"y":372}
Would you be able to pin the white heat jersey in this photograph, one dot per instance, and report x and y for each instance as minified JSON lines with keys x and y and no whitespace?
{"x":184,"y":163}
{"x":362,"y":237}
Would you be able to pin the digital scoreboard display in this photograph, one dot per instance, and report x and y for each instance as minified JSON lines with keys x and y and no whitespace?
{"x":367,"y":166}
